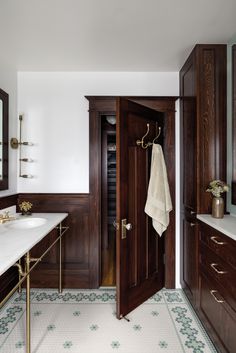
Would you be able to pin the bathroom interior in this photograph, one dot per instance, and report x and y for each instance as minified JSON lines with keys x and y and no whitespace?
{"x":77,"y":142}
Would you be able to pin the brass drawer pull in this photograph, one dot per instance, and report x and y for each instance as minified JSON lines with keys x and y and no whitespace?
{"x":214,"y":239}
{"x":216,"y":299}
{"x":220,"y":272}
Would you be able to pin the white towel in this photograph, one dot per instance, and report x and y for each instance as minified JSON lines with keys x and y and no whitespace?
{"x":158,"y":204}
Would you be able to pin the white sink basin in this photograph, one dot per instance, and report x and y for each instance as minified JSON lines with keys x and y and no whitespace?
{"x":26,"y":223}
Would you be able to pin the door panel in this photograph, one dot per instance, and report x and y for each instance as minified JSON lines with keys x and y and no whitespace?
{"x":140,"y":268}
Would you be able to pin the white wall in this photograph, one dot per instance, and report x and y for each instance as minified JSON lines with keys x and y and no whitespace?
{"x":8,"y":82}
{"x":56,"y":121}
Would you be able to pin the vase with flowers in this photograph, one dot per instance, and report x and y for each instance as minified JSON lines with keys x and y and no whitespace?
{"x":217,"y":187}
{"x":25,"y":207}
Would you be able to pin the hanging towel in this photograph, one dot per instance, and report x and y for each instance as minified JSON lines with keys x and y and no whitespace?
{"x":158,"y":204}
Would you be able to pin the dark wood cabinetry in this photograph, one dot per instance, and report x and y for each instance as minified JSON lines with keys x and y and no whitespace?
{"x":203,"y":118}
{"x":217,"y":293}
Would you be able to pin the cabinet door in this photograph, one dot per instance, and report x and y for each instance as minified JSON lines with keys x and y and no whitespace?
{"x":217,"y":313}
{"x":190,"y":259}
{"x":188,"y":114}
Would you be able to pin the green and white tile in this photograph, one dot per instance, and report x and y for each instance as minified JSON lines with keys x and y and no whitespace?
{"x":83,"y":321}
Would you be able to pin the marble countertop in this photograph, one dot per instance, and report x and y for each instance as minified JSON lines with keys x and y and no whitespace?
{"x":226,"y":225}
{"x":14,"y":243}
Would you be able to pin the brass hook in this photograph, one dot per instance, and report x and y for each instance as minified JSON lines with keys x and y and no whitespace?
{"x":158,"y":134}
{"x":141,"y":142}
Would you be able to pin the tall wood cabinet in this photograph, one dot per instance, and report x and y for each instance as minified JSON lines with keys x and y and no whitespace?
{"x":203,"y":118}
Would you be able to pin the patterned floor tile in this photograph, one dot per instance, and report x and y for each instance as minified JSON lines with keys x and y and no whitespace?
{"x":82,"y":321}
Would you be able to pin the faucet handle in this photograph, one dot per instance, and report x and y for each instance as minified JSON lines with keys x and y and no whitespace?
{"x":6,"y":214}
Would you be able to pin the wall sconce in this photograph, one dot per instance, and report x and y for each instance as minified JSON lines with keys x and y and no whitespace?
{"x":15,"y":143}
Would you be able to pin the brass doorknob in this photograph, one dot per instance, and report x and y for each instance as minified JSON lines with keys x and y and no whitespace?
{"x":124,"y":228}
{"x":128,"y":226}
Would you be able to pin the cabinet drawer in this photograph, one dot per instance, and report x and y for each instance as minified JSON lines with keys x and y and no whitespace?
{"x":222,"y":245}
{"x":222,"y":272}
{"x":218,"y":313}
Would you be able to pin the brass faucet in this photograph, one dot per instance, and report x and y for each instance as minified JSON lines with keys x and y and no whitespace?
{"x":5,"y":217}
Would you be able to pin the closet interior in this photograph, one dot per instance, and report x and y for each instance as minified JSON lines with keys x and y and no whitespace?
{"x":108,"y":230}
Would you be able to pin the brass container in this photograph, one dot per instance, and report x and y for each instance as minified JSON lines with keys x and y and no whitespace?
{"x":217,"y":207}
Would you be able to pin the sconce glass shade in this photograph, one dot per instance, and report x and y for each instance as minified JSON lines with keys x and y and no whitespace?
{"x":111,"y":119}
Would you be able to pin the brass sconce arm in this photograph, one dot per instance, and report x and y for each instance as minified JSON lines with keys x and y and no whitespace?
{"x":15,"y":143}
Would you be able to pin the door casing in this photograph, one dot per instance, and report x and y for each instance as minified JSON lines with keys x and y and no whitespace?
{"x":101,"y":105}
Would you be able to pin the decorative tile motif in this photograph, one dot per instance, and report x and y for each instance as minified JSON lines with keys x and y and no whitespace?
{"x":20,"y":344}
{"x":90,"y":297}
{"x":21,"y":297}
{"x":67,"y":344}
{"x":94,"y":327}
{"x":190,"y":333}
{"x":137,"y":328}
{"x":173,"y":297}
{"x":196,"y":345}
{"x":115,"y":344}
{"x":156,"y":297}
{"x":163,"y":344}
{"x":37,"y":313}
{"x":9,"y":317}
{"x":76,"y":313}
{"x":51,"y":327}
{"x":154,"y":313}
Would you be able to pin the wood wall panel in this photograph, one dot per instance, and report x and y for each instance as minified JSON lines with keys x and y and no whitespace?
{"x":211,"y":120}
{"x":76,"y":243}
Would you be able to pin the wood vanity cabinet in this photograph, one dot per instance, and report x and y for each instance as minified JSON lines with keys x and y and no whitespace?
{"x":203,"y":121}
{"x":217,"y":292}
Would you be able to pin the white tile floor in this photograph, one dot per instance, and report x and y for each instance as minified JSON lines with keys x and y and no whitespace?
{"x":81,"y":321}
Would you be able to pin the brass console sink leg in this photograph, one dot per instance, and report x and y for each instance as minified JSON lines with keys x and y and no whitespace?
{"x":20,"y":287}
{"x":60,"y":271}
{"x":27,"y":269}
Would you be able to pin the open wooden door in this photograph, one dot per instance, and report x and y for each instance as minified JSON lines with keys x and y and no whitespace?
{"x":140,"y":251}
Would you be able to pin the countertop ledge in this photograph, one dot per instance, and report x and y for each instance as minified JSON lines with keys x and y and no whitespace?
{"x":226,"y":225}
{"x":15,"y":243}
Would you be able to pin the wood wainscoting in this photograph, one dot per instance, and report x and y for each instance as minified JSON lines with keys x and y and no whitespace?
{"x":76,"y":249}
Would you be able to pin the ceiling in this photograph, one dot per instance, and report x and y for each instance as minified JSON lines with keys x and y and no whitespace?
{"x":109,"y":35}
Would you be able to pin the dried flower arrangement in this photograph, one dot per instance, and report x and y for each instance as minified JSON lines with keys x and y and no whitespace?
{"x":25,"y":207}
{"x":217,"y":187}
